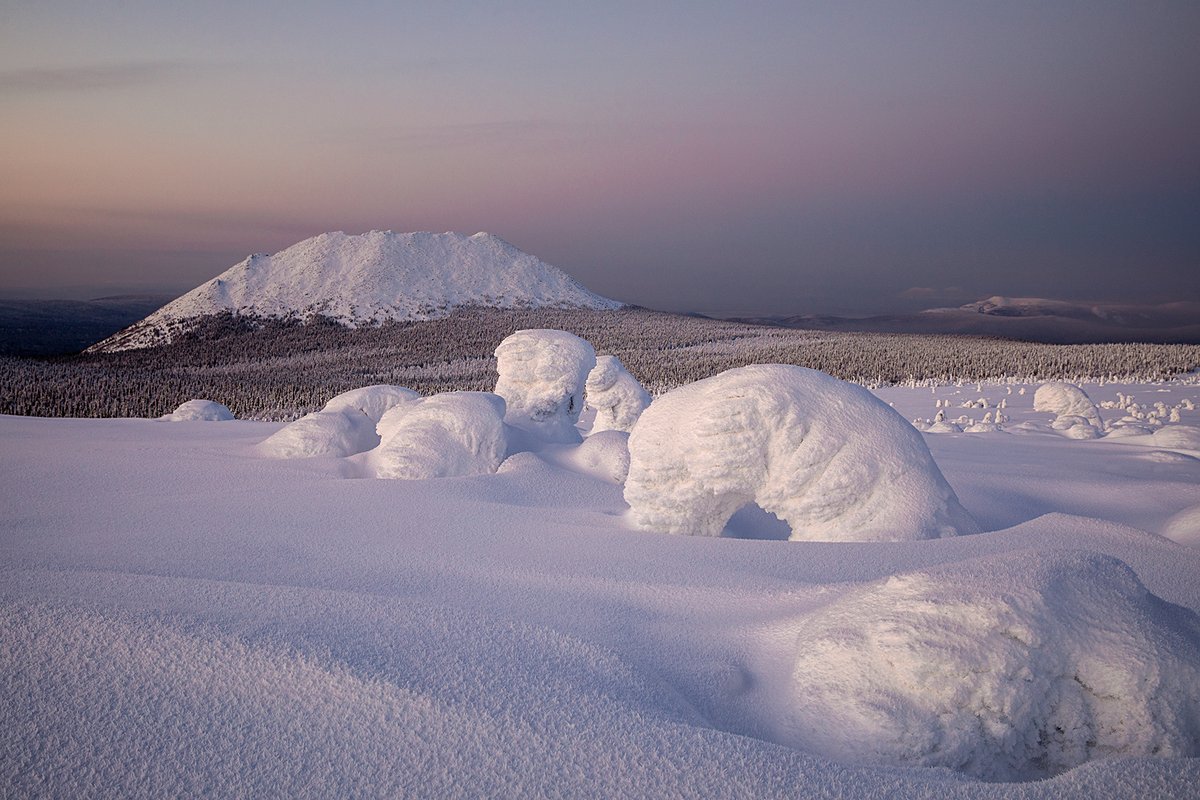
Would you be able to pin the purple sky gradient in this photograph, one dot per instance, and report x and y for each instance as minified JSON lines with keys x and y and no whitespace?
{"x":739,"y":158}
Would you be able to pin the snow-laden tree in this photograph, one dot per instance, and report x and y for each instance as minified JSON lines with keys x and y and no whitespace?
{"x":447,"y":435}
{"x":615,"y":395}
{"x":541,"y":378}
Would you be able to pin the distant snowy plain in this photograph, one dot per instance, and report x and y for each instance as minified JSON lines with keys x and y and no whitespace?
{"x":183,"y":617}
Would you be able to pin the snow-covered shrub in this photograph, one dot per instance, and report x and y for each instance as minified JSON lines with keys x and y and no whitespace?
{"x":541,"y":378}
{"x":447,"y":435}
{"x":1005,"y":668}
{"x":604,"y":454}
{"x":616,"y":395}
{"x":373,"y":401}
{"x":322,"y":433}
{"x":827,"y":457}
{"x":1066,"y":400}
{"x":200,"y":411}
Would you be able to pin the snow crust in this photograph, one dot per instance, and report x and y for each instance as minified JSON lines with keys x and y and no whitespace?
{"x":443,"y":436}
{"x":1005,"y":668}
{"x":617,"y":397}
{"x":541,"y":378}
{"x":200,"y":411}
{"x":334,"y":434}
{"x":368,"y":279}
{"x":1068,"y":401}
{"x":825,"y":456}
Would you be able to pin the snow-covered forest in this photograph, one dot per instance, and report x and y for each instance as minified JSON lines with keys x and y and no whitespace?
{"x":279,"y":370}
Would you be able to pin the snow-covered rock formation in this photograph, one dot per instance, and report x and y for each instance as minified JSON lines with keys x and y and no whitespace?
{"x":1067,"y":400}
{"x":368,"y":279}
{"x":827,"y":457}
{"x":541,"y":378}
{"x":615,"y":395}
{"x":200,"y":411}
{"x":1009,"y":667}
{"x":443,"y":436}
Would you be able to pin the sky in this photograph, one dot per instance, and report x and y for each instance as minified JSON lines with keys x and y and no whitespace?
{"x":737,"y":158}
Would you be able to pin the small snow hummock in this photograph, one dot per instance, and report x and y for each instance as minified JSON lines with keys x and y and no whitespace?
{"x":827,"y":457}
{"x":1071,"y":407}
{"x":541,"y":378}
{"x":335,"y":434}
{"x":615,"y":394}
{"x":1010,"y":667}
{"x":604,"y":454}
{"x":200,"y":411}
{"x":373,"y":401}
{"x":443,"y":436}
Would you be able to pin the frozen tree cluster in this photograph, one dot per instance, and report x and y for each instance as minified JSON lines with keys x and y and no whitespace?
{"x":826,"y":456}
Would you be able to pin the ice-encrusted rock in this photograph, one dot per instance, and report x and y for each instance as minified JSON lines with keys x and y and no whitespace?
{"x":443,"y":436}
{"x":335,"y":434}
{"x":615,"y":394}
{"x":373,"y":401}
{"x":1007,"y":667}
{"x":827,"y":457}
{"x":200,"y":411}
{"x":541,"y":378}
{"x":1067,"y":400}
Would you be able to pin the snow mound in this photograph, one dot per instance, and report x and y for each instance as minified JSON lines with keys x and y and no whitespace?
{"x":368,"y":279}
{"x":373,"y":401}
{"x":323,"y":433}
{"x":1177,"y":437}
{"x":1066,"y":400}
{"x":200,"y":411}
{"x":541,"y":378}
{"x":1010,"y":667}
{"x":1184,"y":527}
{"x":604,"y":454}
{"x":615,"y":394}
{"x":827,"y":457}
{"x":1074,"y":427}
{"x":443,"y":436}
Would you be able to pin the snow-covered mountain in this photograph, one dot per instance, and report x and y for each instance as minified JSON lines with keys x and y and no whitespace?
{"x":369,"y":279}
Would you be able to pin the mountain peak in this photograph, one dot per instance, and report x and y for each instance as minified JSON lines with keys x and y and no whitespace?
{"x":367,"y":279}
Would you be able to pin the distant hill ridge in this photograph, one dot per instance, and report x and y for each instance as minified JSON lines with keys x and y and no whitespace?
{"x":368,"y":279}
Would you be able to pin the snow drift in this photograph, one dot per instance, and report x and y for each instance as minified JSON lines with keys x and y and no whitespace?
{"x":368,"y":279}
{"x":200,"y":411}
{"x":541,"y":378}
{"x":1008,"y":667}
{"x":615,"y":395}
{"x":443,"y":436}
{"x":827,"y":457}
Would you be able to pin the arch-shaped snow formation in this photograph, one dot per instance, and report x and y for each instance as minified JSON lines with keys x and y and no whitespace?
{"x":541,"y":378}
{"x":828,"y":457}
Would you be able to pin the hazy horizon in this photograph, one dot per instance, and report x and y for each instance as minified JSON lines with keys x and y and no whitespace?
{"x":757,"y":159}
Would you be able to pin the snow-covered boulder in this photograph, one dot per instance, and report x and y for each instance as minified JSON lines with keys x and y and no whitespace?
{"x":827,"y":457}
{"x":373,"y":401}
{"x":443,"y":436}
{"x":1007,"y":667}
{"x":200,"y":411}
{"x":335,"y":434}
{"x":1066,"y":400}
{"x":541,"y":378}
{"x":615,"y":394}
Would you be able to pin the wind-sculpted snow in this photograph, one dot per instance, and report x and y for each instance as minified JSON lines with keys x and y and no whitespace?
{"x":366,"y":280}
{"x":447,"y":435}
{"x":373,"y":401}
{"x":825,"y":456}
{"x":541,"y":378}
{"x":200,"y":411}
{"x":1067,"y":400}
{"x":1006,"y":668}
{"x":615,"y":394}
{"x":336,"y":434}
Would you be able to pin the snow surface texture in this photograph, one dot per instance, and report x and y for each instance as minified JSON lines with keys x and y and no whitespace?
{"x":200,"y":411}
{"x":823,"y":455}
{"x":1070,"y":405}
{"x":447,"y":435}
{"x":541,"y":378}
{"x":1006,"y":668}
{"x":616,"y":396}
{"x":177,"y":619}
{"x":335,"y":434}
{"x":368,"y":279}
